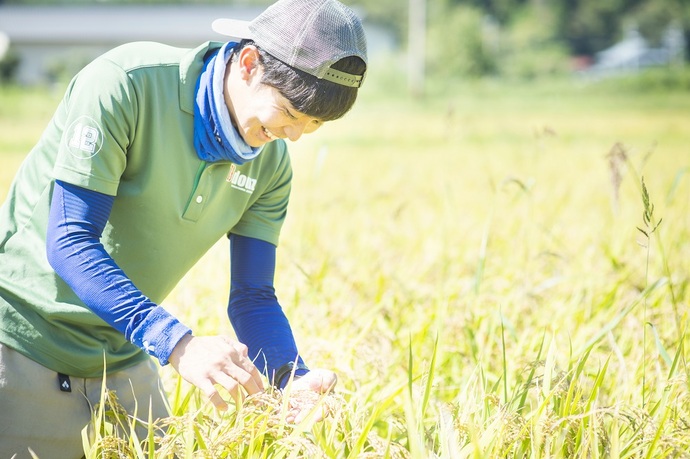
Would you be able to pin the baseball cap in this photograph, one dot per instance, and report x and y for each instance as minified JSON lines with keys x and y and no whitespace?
{"x":309,"y":35}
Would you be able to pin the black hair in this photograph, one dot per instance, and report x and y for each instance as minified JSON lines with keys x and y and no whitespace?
{"x":315,"y":97}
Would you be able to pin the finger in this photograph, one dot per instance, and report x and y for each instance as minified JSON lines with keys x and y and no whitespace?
{"x":240,"y":357}
{"x":328,"y":383}
{"x":249,"y":377}
{"x":214,"y":396}
{"x":231,"y":385}
{"x":218,"y":401}
{"x":316,"y":412}
{"x":303,"y":414}
{"x":248,"y":381}
{"x":318,"y":381}
{"x":256,"y":378}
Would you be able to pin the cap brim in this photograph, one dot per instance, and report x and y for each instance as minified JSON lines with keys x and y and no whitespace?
{"x":235,"y":28}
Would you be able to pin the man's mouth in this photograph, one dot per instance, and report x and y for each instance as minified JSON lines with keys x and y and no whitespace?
{"x":269,"y":134}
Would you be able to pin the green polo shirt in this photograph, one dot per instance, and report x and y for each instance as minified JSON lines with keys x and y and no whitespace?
{"x":125,"y":128}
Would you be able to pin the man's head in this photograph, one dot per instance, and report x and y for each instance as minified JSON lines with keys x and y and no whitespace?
{"x":313,"y":52}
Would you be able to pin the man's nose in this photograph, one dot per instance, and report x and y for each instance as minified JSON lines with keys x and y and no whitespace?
{"x":295,"y":130}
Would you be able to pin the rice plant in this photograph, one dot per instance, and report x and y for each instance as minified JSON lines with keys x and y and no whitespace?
{"x":481,"y":291}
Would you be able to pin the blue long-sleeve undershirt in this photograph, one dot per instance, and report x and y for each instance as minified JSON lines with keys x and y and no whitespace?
{"x":76,"y":222}
{"x":77,"y":219}
{"x":253,"y":308}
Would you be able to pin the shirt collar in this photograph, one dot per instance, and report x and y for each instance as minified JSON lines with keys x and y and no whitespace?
{"x":190,"y":69}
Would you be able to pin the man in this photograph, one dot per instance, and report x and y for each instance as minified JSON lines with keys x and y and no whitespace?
{"x":154,"y":154}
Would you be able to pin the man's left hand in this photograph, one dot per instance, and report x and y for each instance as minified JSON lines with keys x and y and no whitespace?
{"x":305,"y":395}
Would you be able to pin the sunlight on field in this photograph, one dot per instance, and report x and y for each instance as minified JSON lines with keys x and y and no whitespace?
{"x":23,"y":115}
{"x":471,"y":267}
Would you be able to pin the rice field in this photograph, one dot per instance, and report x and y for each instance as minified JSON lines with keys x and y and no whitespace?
{"x":492,"y":271}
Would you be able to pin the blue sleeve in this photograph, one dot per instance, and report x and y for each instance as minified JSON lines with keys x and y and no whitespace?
{"x":254,"y":311}
{"x":76,"y":222}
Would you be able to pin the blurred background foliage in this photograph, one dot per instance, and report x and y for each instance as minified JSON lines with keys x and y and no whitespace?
{"x":521,"y":39}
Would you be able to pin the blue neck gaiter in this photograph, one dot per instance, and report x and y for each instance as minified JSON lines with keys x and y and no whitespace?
{"x":215,"y":137}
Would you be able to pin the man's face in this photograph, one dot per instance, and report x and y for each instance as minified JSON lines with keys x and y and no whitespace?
{"x":260,"y":113}
{"x":266,"y":116}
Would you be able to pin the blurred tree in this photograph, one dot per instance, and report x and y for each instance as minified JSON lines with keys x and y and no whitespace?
{"x":582,"y":27}
{"x":9,"y":63}
{"x":389,"y":13}
{"x":460,"y":41}
{"x":653,"y":18}
{"x":531,"y":45}
{"x":591,"y":25}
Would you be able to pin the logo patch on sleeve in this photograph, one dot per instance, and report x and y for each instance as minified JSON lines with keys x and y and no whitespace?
{"x":84,"y":138}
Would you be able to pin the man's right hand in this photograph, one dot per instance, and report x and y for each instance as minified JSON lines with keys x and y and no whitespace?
{"x":207,"y":361}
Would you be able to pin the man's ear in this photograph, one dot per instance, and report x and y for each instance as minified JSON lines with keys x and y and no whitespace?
{"x":248,"y":60}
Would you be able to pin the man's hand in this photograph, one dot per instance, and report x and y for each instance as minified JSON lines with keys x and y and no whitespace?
{"x":207,"y":361}
{"x":304,"y":392}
